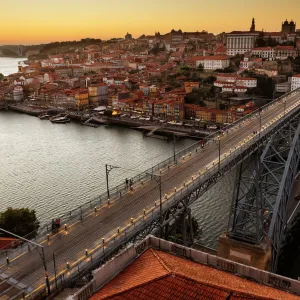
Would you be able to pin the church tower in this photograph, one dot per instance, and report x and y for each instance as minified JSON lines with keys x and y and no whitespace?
{"x":252,"y":28}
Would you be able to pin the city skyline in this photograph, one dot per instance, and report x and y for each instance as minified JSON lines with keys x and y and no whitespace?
{"x":60,"y":20}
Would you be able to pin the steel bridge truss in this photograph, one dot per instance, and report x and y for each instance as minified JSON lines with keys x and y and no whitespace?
{"x":263,"y":189}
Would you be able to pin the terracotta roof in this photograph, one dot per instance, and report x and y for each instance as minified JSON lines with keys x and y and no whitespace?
{"x":262,"y":48}
{"x":160,"y":275}
{"x":285,"y":47}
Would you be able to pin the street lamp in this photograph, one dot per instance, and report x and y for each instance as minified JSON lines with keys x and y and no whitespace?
{"x":219,"y":147}
{"x":259,"y":122}
{"x":174,"y":149}
{"x":157,"y":178}
{"x":108,"y":168}
{"x":284,"y":103}
{"x":43,"y":255}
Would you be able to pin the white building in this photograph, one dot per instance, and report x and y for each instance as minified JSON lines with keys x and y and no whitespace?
{"x":246,"y":63}
{"x":227,"y":77}
{"x":295,"y":82}
{"x":264,"y":52}
{"x":18,"y":93}
{"x":232,"y":83}
{"x":213,"y":62}
{"x":247,"y":82}
{"x":283,"y":87}
{"x":240,"y":42}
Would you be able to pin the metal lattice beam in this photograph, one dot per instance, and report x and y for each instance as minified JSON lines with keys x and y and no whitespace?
{"x":263,"y":190}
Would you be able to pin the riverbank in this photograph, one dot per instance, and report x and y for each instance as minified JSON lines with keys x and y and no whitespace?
{"x":149,"y":128}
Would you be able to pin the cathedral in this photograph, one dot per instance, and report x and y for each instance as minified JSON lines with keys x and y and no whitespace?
{"x":288,"y":27}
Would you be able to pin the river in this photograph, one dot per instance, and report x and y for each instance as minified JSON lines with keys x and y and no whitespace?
{"x":53,"y":168}
{"x":9,"y":65}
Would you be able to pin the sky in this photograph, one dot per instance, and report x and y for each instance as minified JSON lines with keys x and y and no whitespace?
{"x":43,"y":21}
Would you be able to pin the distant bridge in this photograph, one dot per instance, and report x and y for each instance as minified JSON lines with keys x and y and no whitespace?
{"x":19,"y":50}
{"x":265,"y":148}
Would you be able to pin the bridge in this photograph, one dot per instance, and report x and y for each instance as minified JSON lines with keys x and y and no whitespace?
{"x":16,"y":49}
{"x":264,"y":149}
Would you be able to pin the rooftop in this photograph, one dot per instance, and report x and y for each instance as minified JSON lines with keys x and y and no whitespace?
{"x":158,"y":269}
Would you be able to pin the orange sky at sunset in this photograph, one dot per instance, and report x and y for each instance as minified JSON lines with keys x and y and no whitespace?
{"x":40,"y":21}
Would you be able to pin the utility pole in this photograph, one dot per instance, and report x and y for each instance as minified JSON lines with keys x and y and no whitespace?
{"x":174,"y":150}
{"x":108,"y":168}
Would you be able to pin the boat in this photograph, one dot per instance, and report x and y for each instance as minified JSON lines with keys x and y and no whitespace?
{"x":60,"y":120}
{"x":44,"y":116}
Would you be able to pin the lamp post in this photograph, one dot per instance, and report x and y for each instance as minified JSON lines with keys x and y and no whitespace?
{"x":219,"y":148}
{"x":42,"y":256}
{"x":174,"y":149}
{"x":158,"y":180}
{"x":259,"y":122}
{"x":108,"y":168}
{"x":284,"y":107}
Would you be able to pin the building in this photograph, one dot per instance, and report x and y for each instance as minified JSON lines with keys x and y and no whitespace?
{"x":210,"y":63}
{"x":158,"y":269}
{"x":189,"y":86}
{"x":128,"y":36}
{"x":82,"y":98}
{"x":233,"y":83}
{"x":248,"y":82}
{"x":240,"y":42}
{"x":210,"y":115}
{"x":98,"y":94}
{"x":288,"y":27}
{"x":283,"y":87}
{"x":264,"y":52}
{"x":283,"y":52}
{"x":295,"y":82}
{"x":18,"y":93}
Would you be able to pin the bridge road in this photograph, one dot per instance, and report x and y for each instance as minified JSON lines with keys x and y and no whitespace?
{"x":28,"y":268}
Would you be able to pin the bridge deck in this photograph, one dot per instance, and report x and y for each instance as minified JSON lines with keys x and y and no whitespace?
{"x":69,"y":246}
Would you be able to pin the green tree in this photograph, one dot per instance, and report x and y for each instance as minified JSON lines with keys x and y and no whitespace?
{"x":1,"y":76}
{"x":20,"y":221}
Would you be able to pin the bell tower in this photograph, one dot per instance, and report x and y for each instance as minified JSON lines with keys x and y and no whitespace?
{"x":252,"y":28}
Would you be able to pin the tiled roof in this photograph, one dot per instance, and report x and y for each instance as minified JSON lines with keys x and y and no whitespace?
{"x":160,"y":275}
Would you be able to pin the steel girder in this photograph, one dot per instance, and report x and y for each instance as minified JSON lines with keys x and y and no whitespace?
{"x":263,"y":189}
{"x":281,"y":157}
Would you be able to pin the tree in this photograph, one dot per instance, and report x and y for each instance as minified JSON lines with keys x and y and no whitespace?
{"x":20,"y":221}
{"x":260,"y":42}
{"x":200,"y":68}
{"x":210,"y":79}
{"x":229,"y":70}
{"x":1,"y":76}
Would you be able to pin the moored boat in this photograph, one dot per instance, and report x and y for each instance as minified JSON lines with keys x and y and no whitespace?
{"x":60,"y":120}
{"x":44,"y":116}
